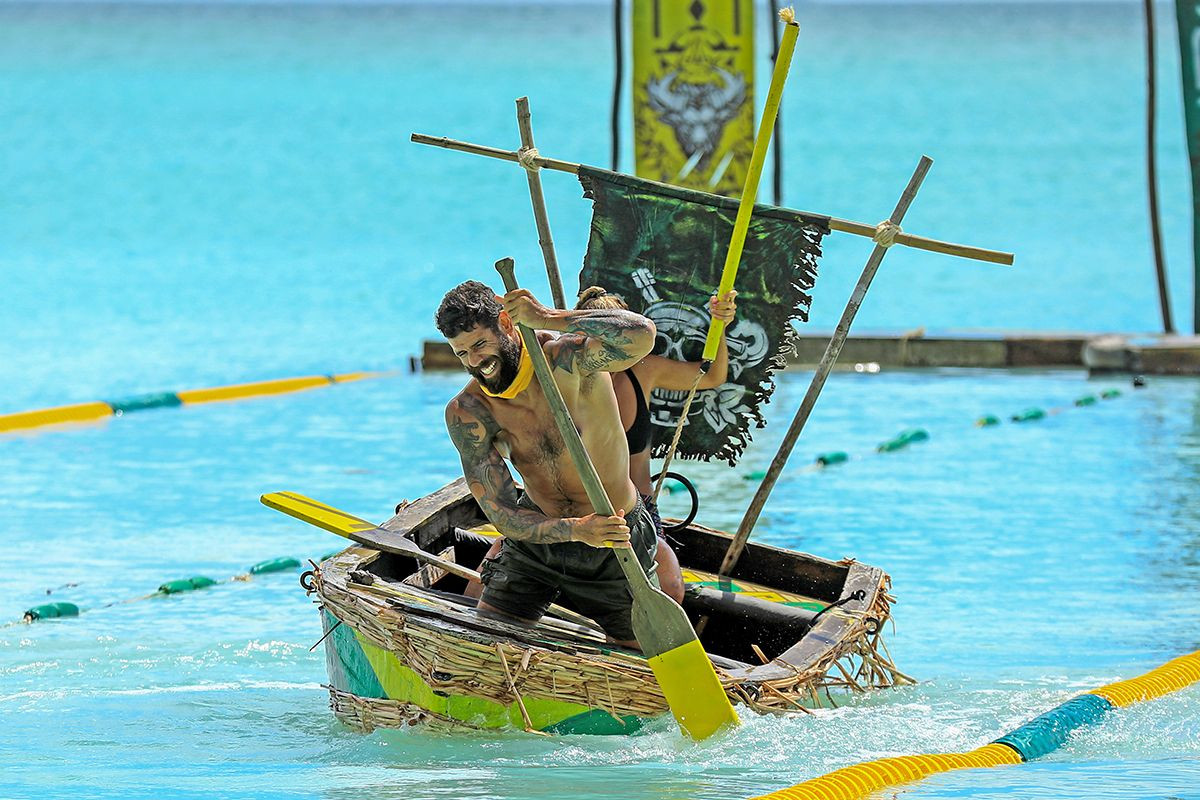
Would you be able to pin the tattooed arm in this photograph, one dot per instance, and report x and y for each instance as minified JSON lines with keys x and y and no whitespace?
{"x":601,"y":340}
{"x":473,"y":430}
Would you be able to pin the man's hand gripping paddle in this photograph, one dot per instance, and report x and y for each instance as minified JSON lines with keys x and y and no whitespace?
{"x":680,"y":665}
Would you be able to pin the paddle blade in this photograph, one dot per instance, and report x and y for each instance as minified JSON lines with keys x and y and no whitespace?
{"x":315,"y":513}
{"x":681,"y":667}
{"x":693,"y":690}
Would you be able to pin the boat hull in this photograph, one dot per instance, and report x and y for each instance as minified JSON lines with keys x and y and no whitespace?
{"x":404,"y":647}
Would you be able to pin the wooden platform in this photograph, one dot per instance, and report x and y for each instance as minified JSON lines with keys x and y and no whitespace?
{"x":1100,"y":352}
{"x":1146,"y":354}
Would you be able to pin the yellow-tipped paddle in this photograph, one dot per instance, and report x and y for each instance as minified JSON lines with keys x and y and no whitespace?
{"x":750,"y":190}
{"x":681,"y":667}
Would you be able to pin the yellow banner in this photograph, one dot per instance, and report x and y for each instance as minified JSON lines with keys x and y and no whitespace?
{"x":693,"y":92}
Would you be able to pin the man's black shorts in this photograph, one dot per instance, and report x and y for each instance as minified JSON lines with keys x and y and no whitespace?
{"x":526,"y":578}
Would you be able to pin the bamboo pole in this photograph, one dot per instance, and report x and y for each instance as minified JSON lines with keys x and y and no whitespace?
{"x":832,"y":350}
{"x":773,"y":9}
{"x":840,"y":225}
{"x":741,"y":225}
{"x":540,"y":217}
{"x":618,"y":79}
{"x":1160,"y":267}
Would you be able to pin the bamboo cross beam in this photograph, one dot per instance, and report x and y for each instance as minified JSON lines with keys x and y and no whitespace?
{"x":540,"y":217}
{"x":841,"y":225}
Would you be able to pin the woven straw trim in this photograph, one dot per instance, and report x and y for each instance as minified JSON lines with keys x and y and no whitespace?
{"x":466,"y":662}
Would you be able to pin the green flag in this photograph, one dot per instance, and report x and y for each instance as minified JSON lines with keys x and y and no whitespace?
{"x":662,"y":249}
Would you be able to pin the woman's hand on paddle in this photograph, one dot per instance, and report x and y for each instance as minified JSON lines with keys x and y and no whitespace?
{"x":723,"y":307}
{"x":601,"y":531}
{"x":524,"y":309}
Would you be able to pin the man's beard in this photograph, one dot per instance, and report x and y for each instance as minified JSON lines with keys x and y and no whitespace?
{"x":509,"y":357}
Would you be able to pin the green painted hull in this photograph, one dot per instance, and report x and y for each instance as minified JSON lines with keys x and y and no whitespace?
{"x":358,"y":667}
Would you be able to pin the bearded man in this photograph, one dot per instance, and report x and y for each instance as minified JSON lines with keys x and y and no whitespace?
{"x":554,"y":541}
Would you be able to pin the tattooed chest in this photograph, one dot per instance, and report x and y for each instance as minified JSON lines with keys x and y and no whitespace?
{"x":540,"y":452}
{"x":548,"y":449}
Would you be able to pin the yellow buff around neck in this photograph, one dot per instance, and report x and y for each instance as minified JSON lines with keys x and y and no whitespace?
{"x":519,"y":383}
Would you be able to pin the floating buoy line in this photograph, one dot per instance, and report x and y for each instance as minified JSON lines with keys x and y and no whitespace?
{"x":90,"y":412}
{"x":1034,"y":739}
{"x":62,"y":609}
{"x":914,"y":435}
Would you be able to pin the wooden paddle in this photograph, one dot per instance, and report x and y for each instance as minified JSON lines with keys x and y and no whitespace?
{"x":359,"y":530}
{"x":680,"y":665}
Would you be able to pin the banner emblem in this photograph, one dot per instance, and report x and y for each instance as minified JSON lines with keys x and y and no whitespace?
{"x":693,"y":92}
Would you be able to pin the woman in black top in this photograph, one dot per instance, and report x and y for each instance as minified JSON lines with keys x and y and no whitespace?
{"x":633,"y":388}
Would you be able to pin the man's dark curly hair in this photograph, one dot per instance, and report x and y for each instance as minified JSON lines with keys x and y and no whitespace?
{"x":467,"y":305}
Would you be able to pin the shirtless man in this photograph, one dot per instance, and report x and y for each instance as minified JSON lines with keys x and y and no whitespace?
{"x":554,"y":542}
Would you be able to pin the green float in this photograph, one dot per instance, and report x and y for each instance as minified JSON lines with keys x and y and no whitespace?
{"x":186,"y":585}
{"x":1028,"y":415}
{"x":903,"y":439}
{"x":914,"y":435}
{"x":1109,"y":394}
{"x":987,"y":421}
{"x":142,"y":402}
{"x":51,"y":611}
{"x":1051,"y":730}
{"x":1086,"y":400}
{"x":280,"y":564}
{"x":836,"y":457}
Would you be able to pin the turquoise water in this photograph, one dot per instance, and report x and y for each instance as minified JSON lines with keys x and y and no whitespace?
{"x":1031,"y":562}
{"x":203,"y":195}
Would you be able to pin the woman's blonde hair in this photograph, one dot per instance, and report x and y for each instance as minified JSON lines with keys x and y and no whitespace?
{"x":595,"y":298}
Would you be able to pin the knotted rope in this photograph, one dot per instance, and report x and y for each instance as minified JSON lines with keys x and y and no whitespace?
{"x":527,"y":157}
{"x":683,"y":420}
{"x":886,"y":233}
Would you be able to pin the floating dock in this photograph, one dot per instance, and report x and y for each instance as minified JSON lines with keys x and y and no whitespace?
{"x":1151,"y":354}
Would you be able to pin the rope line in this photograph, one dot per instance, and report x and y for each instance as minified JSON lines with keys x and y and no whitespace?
{"x":1034,"y":739}
{"x":913,"y":435}
{"x":63,"y":609}
{"x":91,"y":412}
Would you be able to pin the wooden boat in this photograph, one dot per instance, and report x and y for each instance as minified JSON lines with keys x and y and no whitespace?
{"x":404,"y":646}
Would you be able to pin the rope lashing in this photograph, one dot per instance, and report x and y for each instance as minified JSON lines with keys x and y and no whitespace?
{"x":857,"y":594}
{"x":886,"y":233}
{"x":683,"y":417}
{"x":527,"y":157}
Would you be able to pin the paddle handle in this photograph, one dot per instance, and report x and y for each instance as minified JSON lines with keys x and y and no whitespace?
{"x":566,"y":427}
{"x":741,"y":225}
